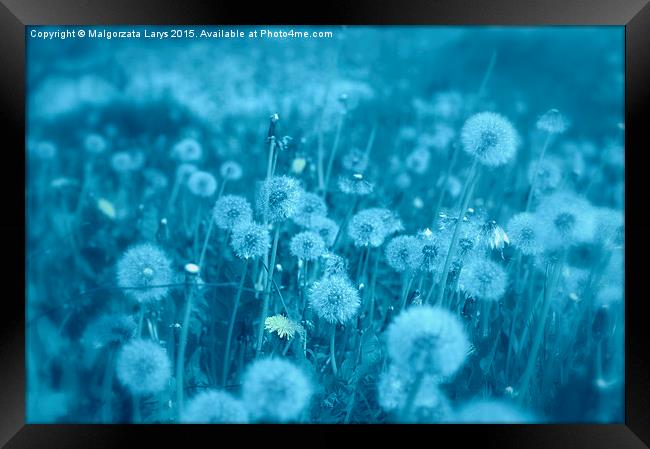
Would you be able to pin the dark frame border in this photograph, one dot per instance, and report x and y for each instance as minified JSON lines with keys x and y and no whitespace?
{"x":634,"y":14}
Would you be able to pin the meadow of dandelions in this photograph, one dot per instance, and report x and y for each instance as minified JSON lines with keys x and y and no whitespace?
{"x":395,"y":225}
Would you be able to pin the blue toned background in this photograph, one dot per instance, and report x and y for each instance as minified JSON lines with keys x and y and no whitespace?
{"x":381,"y":250}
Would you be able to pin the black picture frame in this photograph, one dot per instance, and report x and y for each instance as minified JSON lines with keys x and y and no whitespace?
{"x":16,"y":14}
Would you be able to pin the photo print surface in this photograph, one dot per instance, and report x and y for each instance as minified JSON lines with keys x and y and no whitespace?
{"x":324,"y":224}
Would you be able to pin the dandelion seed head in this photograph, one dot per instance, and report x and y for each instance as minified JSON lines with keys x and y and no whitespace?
{"x":95,"y":143}
{"x":143,"y":367}
{"x":553,"y":122}
{"x":524,"y":233}
{"x":355,"y":185}
{"x":109,"y":330}
{"x":493,"y":411}
{"x":43,"y":150}
{"x":231,"y":171}
{"x":230,"y":211}
{"x":307,"y":245}
{"x":417,"y":160}
{"x":310,"y":207}
{"x":327,"y":228}
{"x":202,"y":184}
{"x":334,"y":299}
{"x":566,"y":219}
{"x":549,"y":175}
{"x":490,"y":137}
{"x":214,"y":407}
{"x":275,"y":390}
{"x":355,"y":160}
{"x":250,"y":240}
{"x":403,"y":252}
{"x":184,"y":170}
{"x":125,"y":162}
{"x":492,"y":236}
{"x":430,"y":404}
{"x":335,"y":265}
{"x":427,"y":340}
{"x":187,"y":150}
{"x":484,"y":279}
{"x":610,"y":227}
{"x":279,"y":198}
{"x":430,"y":252}
{"x":370,"y":227}
{"x":141,"y":266}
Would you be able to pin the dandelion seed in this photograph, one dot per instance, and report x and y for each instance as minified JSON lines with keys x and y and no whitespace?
{"x":430,"y":252}
{"x":141,"y":269}
{"x":490,"y":137}
{"x":279,"y":198}
{"x":493,"y":236}
{"x":231,"y":171}
{"x":250,"y":240}
{"x":275,"y":390}
{"x":230,"y":211}
{"x":334,"y":299}
{"x":202,"y":184}
{"x":214,"y":407}
{"x":143,"y":367}
{"x":310,"y":207}
{"x":187,"y":150}
{"x":427,"y":340}
{"x":524,"y":233}
{"x":484,"y":279}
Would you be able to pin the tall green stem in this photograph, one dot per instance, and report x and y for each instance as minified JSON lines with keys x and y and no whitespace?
{"x":335,"y":145}
{"x":333,"y":350}
{"x":180,"y":362}
{"x":231,"y":325}
{"x":267,"y":290}
{"x":533,"y":182}
{"x":468,"y":191}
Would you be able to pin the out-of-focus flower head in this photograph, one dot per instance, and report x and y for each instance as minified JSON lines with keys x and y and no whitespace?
{"x":187,"y":150}
{"x":553,"y":122}
{"x":310,"y":207}
{"x":202,"y":184}
{"x":143,"y":367}
{"x":143,"y":267}
{"x":355,"y":185}
{"x":214,"y":407}
{"x":275,"y":390}
{"x":482,"y":278}
{"x":231,"y":171}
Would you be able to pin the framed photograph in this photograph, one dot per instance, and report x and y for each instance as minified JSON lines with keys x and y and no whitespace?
{"x":395,"y":219}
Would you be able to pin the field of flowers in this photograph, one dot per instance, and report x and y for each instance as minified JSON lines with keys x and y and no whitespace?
{"x":419,"y":225}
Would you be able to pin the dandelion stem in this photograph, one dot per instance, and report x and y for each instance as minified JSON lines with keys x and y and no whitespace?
{"x":468,"y":190}
{"x":267,"y":290}
{"x":539,"y":332}
{"x":405,"y":413}
{"x":269,"y":166}
{"x":405,"y":293}
{"x":205,"y":242}
{"x":231,"y":325}
{"x":333,"y":350}
{"x":344,"y":223}
{"x":180,"y":362}
{"x":533,"y":182}
{"x":485,"y":315}
{"x":330,"y":162}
